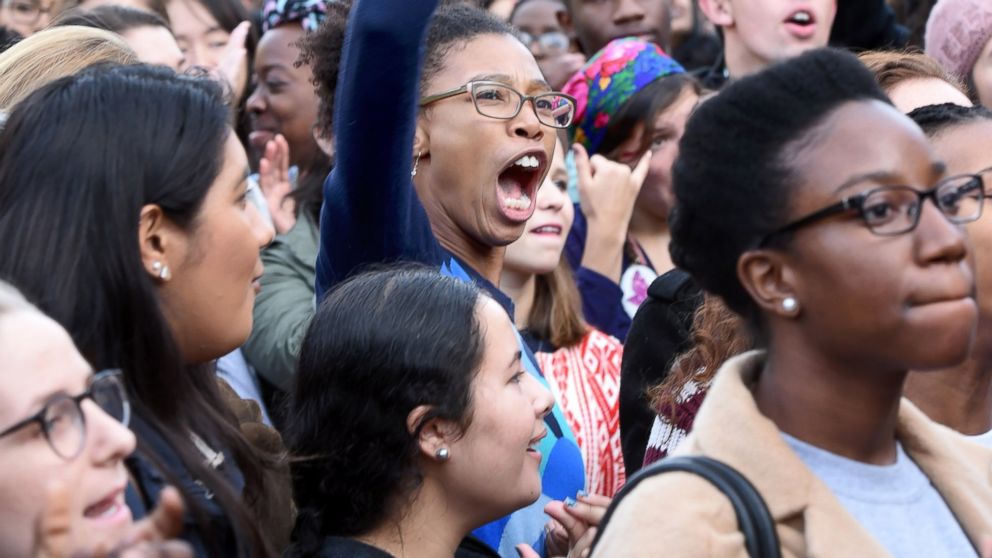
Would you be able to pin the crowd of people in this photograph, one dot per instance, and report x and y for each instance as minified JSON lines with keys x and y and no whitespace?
{"x":470,"y":278}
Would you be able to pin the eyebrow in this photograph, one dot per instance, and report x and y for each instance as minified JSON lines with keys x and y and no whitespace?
{"x":937,"y":169}
{"x":275,"y":66}
{"x":503,"y":78}
{"x":244,"y":177}
{"x":516,"y":359}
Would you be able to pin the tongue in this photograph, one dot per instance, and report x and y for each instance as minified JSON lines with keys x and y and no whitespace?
{"x":511,"y":183}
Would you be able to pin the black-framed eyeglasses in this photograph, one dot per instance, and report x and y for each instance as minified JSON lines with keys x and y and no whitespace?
{"x":26,"y":12}
{"x":894,"y":210}
{"x":551,"y":42}
{"x":502,"y":102}
{"x":62,"y":420}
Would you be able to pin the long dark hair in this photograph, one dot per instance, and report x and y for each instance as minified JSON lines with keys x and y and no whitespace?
{"x":79,"y":158}
{"x":380,"y":345}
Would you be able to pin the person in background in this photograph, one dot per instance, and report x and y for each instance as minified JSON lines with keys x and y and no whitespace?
{"x":633,"y":103}
{"x":594,"y":24}
{"x":538,"y":23}
{"x":581,"y":363}
{"x":288,"y":106}
{"x":56,"y":53}
{"x":63,"y":441}
{"x":913,"y":80}
{"x":147,"y":34}
{"x":959,"y":37}
{"x":156,"y":7}
{"x":756,"y":34}
{"x":421,"y":376}
{"x":27,"y":17}
{"x":816,"y":420}
{"x":176,"y":237}
{"x":695,"y":43}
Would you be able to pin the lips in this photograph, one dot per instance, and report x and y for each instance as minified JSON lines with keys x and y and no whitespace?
{"x":551,"y":229}
{"x":111,"y":509}
{"x":517,"y":183}
{"x":259,"y":137}
{"x":801,"y":23}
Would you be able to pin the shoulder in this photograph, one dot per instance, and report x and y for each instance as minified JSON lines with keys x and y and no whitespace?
{"x":646,"y":520}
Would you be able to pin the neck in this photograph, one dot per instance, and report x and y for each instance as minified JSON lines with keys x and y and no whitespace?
{"x":520,"y":287}
{"x":739,"y":60}
{"x":840,"y":407}
{"x":428,"y":527}
{"x":652,"y":233}
{"x":960,"y":398}
{"x":487,"y":261}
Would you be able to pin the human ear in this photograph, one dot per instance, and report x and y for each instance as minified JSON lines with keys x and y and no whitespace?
{"x":435,"y":435}
{"x":158,"y":243}
{"x":719,"y":12}
{"x":421,"y":138}
{"x":770,"y":281}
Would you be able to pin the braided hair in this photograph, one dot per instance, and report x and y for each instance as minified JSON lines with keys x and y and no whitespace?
{"x":934,"y":119}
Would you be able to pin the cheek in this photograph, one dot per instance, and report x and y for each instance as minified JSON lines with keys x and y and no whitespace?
{"x":23,"y":494}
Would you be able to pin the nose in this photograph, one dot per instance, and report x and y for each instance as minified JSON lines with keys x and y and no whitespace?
{"x":628,"y":11}
{"x":550,"y":197}
{"x":526,"y":124}
{"x":256,"y":101}
{"x":543,"y":400}
{"x":261,"y":228}
{"x":107,"y":440}
{"x":937,"y":238}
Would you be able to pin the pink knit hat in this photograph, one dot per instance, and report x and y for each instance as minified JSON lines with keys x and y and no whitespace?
{"x":957,"y":31}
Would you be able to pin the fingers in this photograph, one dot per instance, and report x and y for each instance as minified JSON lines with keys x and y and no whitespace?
{"x":574,"y":525}
{"x":282,"y":149}
{"x":583,"y":546}
{"x":165,"y":522}
{"x":236,"y":41}
{"x":641,"y":170}
{"x":582,"y":166}
{"x":589,"y":509}
{"x":55,"y":526}
{"x":525,"y":551}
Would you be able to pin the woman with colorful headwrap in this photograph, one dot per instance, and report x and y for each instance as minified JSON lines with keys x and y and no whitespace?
{"x":633,"y":103}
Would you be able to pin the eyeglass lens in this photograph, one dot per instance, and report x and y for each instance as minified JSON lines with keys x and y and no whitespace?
{"x":896,"y":209}
{"x":498,"y":101}
{"x":64,"y":423}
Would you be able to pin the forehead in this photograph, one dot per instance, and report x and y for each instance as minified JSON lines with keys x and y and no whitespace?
{"x":488,"y":55}
{"x":38,"y":360}
{"x":965,"y":148}
{"x":280,"y":43}
{"x":537,"y":13}
{"x":190,"y":17}
{"x":839,"y":148}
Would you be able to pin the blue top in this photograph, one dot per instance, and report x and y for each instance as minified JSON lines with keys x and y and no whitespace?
{"x":371,"y":213}
{"x":602,"y":299}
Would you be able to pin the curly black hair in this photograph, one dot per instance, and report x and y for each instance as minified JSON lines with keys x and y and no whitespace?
{"x":733,"y":177}
{"x":321,"y":50}
{"x":934,"y":119}
{"x":380,"y":345}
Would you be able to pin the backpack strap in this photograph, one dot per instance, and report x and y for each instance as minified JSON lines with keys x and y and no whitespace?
{"x":753,"y":518}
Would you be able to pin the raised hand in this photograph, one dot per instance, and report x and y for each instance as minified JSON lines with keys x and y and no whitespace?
{"x":273,"y":180}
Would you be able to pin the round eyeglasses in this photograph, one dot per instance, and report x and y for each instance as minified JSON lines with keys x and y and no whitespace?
{"x":502,"y":102}
{"x":62,"y":420}
{"x":894,"y":210}
{"x":26,"y":12}
{"x":552,"y":42}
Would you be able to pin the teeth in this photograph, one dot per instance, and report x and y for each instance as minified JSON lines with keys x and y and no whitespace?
{"x":527,"y":162}
{"x":521,"y":203}
{"x":802,"y":17}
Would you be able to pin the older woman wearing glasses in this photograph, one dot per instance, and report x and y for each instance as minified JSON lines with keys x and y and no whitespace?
{"x":63,"y":440}
{"x":441,"y":166}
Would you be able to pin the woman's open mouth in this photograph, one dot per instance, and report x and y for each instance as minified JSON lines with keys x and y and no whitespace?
{"x":110,"y":510}
{"x":517,"y":185}
{"x":801,"y":24}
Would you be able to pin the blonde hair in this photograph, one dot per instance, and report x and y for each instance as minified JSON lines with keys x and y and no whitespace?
{"x":894,"y":67}
{"x":55,"y":53}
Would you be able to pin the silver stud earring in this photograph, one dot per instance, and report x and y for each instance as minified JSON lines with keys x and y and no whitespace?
{"x":416,"y":163}
{"x":442,"y":454}
{"x":789,"y":304}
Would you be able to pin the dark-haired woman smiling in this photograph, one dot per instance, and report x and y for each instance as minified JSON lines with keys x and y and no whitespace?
{"x":158,"y":257}
{"x":421,"y":377}
{"x":846,"y":253}
{"x":478,"y":148}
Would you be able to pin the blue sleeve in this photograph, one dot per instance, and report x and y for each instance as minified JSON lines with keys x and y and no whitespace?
{"x":371,"y":212}
{"x":602,"y":299}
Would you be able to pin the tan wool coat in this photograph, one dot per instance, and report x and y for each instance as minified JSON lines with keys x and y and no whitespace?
{"x":679,"y":514}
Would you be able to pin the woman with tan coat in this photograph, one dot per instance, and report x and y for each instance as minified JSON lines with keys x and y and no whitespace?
{"x":828,"y":223}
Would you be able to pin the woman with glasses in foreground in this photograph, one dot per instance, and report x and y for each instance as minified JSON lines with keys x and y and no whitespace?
{"x":63,"y":440}
{"x":846,"y":254}
{"x":438,"y":162}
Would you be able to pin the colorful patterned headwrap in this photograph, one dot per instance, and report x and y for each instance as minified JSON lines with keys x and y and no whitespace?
{"x":608,"y":80}
{"x":308,"y":13}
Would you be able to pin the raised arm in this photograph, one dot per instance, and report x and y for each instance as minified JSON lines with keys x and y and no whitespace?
{"x":371,"y":213}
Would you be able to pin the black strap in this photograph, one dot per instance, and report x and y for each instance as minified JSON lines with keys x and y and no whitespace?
{"x":753,"y":517}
